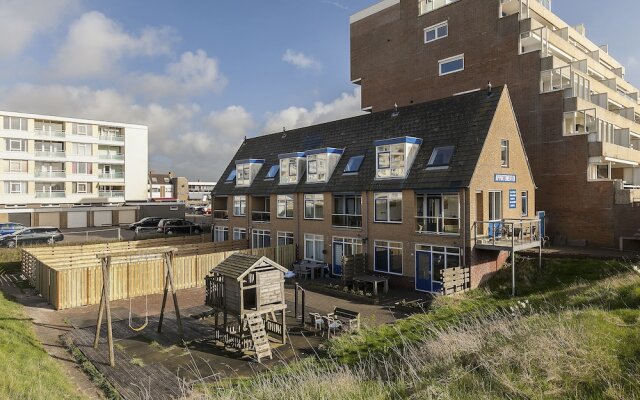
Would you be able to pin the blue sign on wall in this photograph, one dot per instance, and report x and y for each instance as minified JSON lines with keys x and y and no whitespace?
{"x":513,"y":198}
{"x":504,"y":178}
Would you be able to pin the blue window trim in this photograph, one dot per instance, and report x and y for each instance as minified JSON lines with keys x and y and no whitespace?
{"x":404,"y":139}
{"x":298,"y":154}
{"x":329,"y":150}
{"x":250,"y":161}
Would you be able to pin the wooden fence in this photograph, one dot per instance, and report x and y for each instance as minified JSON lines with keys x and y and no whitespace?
{"x":455,"y":280}
{"x":70,"y":276}
{"x":353,"y":265}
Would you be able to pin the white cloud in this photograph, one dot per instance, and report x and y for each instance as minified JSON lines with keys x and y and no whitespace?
{"x":301,"y":60}
{"x":22,"y":20}
{"x":335,"y":4}
{"x":194,"y":73}
{"x":95,"y":44}
{"x":347,"y":105}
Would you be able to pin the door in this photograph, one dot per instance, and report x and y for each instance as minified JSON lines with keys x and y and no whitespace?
{"x":423,"y":271}
{"x":338,"y":252}
{"x":495,"y":213}
{"x":102,"y":218}
{"x":77,"y":219}
{"x":434,"y":206}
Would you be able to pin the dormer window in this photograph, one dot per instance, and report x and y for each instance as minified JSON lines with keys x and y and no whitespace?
{"x":321,"y":163}
{"x":246,"y":171}
{"x":291,"y":168}
{"x":394,"y":157}
{"x":440,"y":157}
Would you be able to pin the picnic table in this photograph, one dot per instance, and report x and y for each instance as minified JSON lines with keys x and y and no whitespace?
{"x":374,"y":280}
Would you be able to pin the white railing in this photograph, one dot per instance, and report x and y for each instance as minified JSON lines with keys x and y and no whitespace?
{"x":50,"y":174}
{"x":507,"y":232}
{"x":112,"y":138}
{"x":49,"y":133}
{"x":51,"y":194}
{"x":54,"y":154}
{"x":111,"y":193}
{"x":111,"y":156}
{"x":111,"y":175}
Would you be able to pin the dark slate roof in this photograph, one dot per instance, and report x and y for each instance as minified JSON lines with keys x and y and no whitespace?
{"x":462,"y":121}
{"x":236,"y":264}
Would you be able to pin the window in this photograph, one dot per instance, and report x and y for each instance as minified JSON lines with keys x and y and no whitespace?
{"x":230,"y":178}
{"x":290,"y":168}
{"x":440,"y":157}
{"x":388,"y":257}
{"x":436,"y":32}
{"x":15,"y":187}
{"x":317,"y":168}
{"x":439,"y":258}
{"x":260,"y":239}
{"x":239,"y":206}
{"x":495,"y":205}
{"x":504,"y":152}
{"x":220,"y":233}
{"x":81,"y":187}
{"x":16,"y":166}
{"x":438,"y":213}
{"x":353,"y":165}
{"x":81,"y":129}
{"x":394,"y":156}
{"x":15,"y":123}
{"x":246,"y":170}
{"x":285,"y":238}
{"x":426,"y":6}
{"x":273,"y":171}
{"x":347,"y":211}
{"x":84,"y":168}
{"x":524,"y":200}
{"x":82,"y":149}
{"x":451,"y":65}
{"x":388,"y":207}
{"x":314,"y":247}
{"x":17,"y":145}
{"x":285,"y":206}
{"x":313,"y":206}
{"x":239,"y":233}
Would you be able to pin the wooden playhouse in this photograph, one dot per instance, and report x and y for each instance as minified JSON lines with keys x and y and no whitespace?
{"x":247,"y":291}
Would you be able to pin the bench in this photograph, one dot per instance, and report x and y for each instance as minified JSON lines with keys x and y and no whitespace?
{"x":348,"y":318}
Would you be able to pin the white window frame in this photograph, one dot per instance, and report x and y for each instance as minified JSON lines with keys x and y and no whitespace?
{"x":240,"y":206}
{"x":21,"y":147}
{"x":435,"y":28}
{"x":504,"y":153}
{"x":317,"y":247}
{"x":84,"y":131}
{"x":387,"y":197}
{"x":388,"y":245}
{"x":441,"y":217}
{"x":243,"y":174}
{"x":289,"y":170}
{"x":286,"y":237}
{"x":220,"y":232}
{"x":524,"y":203}
{"x":434,"y":250}
{"x":320,"y":171}
{"x":86,"y":186}
{"x":239,"y":233}
{"x":285,"y":200}
{"x":314,"y":199}
{"x":22,"y":123}
{"x":12,"y":163}
{"x":259,"y":238}
{"x":21,"y":187}
{"x":449,"y":60}
{"x":86,"y":169}
{"x":495,"y":206}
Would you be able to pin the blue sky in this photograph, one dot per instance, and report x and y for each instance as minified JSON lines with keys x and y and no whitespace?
{"x":203,"y":74}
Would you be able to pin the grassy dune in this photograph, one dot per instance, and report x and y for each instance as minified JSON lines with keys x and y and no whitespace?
{"x":572,"y":333}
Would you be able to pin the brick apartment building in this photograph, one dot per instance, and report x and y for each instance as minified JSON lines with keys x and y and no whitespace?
{"x":409,"y":187}
{"x":579,"y":117}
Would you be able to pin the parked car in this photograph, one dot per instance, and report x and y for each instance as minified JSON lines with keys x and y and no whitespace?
{"x":35,"y":235}
{"x":147,"y":222}
{"x":10,"y":227}
{"x":171,"y":226}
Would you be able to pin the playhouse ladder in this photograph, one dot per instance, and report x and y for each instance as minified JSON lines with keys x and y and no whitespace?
{"x":259,"y":336}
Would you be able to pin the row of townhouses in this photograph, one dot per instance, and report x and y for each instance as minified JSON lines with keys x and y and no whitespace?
{"x":419,"y":189}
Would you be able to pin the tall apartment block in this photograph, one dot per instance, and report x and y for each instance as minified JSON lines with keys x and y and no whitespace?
{"x":55,"y":163}
{"x":579,"y":117}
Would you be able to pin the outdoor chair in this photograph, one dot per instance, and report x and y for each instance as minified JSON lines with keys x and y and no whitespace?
{"x":301,"y":270}
{"x":331,"y":323}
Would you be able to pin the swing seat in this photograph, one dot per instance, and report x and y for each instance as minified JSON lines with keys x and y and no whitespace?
{"x":146,"y":317}
{"x":141,"y":327}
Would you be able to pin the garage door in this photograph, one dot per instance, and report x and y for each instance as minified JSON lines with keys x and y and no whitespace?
{"x":20,"y":218}
{"x":49,"y":219}
{"x":127,"y":216}
{"x":102,"y":218}
{"x":77,"y":219}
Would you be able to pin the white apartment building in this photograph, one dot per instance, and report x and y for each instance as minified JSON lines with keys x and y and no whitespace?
{"x":58,"y":162}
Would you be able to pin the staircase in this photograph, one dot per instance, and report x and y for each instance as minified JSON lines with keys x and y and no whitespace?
{"x":259,"y":336}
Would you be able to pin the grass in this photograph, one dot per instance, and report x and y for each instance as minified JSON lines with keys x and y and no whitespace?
{"x":573,"y":332}
{"x":27,"y":370}
{"x":96,"y":377}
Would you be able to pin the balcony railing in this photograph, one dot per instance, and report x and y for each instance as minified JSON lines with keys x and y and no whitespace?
{"x":438,"y":225}
{"x":111,"y":175}
{"x":507,"y":233}
{"x":220,"y":214}
{"x":50,"y":174}
{"x":346,"y":220}
{"x":111,"y":156}
{"x":112,"y":138}
{"x":50,"y":194}
{"x":111,"y":193}
{"x":261,"y":216}
{"x":52,"y":154}
{"x":49,"y":133}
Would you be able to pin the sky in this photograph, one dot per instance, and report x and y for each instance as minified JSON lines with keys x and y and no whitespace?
{"x":203,"y":74}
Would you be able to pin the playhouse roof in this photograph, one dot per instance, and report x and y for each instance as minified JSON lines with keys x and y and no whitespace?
{"x":239,"y":265}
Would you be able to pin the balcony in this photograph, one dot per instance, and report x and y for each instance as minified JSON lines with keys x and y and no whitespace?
{"x":49,"y":133}
{"x":50,"y":174}
{"x":111,"y":175}
{"x":438,"y":225}
{"x":507,"y":234}
{"x":261,"y":216}
{"x":346,"y":221}
{"x":50,"y":154}
{"x":51,"y":194}
{"x":111,"y":156}
{"x":111,"y":193}
{"x":111,"y":137}
{"x":221,"y":214}
{"x":626,"y":194}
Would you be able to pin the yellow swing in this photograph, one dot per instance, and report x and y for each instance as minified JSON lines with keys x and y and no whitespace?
{"x":146,"y":316}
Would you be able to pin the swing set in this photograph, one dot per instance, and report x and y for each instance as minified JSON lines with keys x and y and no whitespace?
{"x":167,"y":254}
